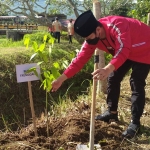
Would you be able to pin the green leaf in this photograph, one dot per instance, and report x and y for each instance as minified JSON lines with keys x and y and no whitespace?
{"x":51,"y":41}
{"x":47,"y":74}
{"x":65,"y":64}
{"x":26,"y":42}
{"x":31,"y":70}
{"x":33,"y":56}
{"x":45,"y":57}
{"x":35,"y":46}
{"x":48,"y":85}
{"x":36,"y":73}
{"x":42,"y":47}
{"x":44,"y":84}
{"x":41,"y":79}
{"x":39,"y":63}
{"x":55,"y":73}
{"x":50,"y":49}
{"x":45,"y":38}
{"x":56,"y":65}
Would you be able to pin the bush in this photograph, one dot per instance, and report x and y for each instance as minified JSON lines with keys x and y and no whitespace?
{"x":38,"y":36}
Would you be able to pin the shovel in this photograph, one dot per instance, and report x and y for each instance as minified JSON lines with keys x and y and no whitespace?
{"x":92,"y":121}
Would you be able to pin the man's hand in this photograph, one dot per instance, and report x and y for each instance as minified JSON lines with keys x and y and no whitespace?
{"x":58,"y":82}
{"x":103,"y":73}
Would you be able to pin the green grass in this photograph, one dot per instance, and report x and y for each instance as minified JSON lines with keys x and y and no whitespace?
{"x":3,"y":40}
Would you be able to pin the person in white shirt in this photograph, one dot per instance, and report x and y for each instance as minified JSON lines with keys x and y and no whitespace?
{"x":56,"y":26}
{"x":70,"y":30}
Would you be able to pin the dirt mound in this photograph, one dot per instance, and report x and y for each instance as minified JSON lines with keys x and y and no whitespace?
{"x":64,"y":132}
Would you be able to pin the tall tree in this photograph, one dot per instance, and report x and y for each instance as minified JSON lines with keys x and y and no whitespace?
{"x":24,"y":7}
{"x":75,"y":7}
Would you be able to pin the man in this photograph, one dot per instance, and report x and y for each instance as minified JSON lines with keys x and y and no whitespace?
{"x":50,"y":29}
{"x":56,"y":27}
{"x":128,"y":41}
{"x":70,"y":30}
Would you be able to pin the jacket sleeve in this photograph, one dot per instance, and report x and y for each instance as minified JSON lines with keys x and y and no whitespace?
{"x":120,"y":33}
{"x":80,"y":60}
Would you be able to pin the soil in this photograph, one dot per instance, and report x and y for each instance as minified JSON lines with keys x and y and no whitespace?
{"x":64,"y":133}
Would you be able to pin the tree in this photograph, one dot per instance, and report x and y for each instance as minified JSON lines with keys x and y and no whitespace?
{"x":123,"y":10}
{"x":70,"y":7}
{"x":140,"y":10}
{"x":24,"y":7}
{"x":76,"y":7}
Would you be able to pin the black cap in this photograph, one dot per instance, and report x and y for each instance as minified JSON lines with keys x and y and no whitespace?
{"x":85,"y":24}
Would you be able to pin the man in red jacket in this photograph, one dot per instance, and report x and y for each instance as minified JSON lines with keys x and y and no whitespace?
{"x":128,"y":41}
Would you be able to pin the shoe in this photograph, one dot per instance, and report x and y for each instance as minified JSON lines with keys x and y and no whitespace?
{"x":107,"y":116}
{"x":132,"y":131}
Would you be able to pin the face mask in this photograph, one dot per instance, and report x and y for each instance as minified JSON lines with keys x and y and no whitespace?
{"x":93,"y":41}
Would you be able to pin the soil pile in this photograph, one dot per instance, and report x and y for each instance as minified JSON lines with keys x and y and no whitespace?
{"x":64,"y":133}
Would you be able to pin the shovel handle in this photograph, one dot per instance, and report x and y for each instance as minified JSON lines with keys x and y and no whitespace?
{"x":92,"y":122}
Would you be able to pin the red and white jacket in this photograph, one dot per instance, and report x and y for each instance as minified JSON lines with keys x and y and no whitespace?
{"x":128,"y":37}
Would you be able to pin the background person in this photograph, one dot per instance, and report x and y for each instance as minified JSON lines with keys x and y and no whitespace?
{"x":50,"y":29}
{"x":127,"y":40}
{"x":70,"y":30}
{"x":56,"y":26}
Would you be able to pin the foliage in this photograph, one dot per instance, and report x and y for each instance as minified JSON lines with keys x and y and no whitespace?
{"x":38,"y":37}
{"x":108,"y":57}
{"x":122,"y":10}
{"x":140,"y":10}
{"x":73,"y":8}
{"x":27,"y":8}
{"x":43,"y":52}
{"x":115,"y":7}
{"x":10,"y":43}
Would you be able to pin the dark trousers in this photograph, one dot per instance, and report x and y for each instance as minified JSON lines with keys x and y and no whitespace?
{"x":70,"y":38}
{"x":137,"y":83}
{"x":57,"y":36}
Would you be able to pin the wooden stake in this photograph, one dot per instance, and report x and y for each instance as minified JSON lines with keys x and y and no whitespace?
{"x":32,"y":108}
{"x":101,"y":85}
{"x":148,"y":19}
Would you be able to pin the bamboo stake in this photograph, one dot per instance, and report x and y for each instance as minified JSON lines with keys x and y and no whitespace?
{"x":32,"y":108}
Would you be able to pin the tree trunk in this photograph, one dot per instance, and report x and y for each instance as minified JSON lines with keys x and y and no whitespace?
{"x":102,"y":85}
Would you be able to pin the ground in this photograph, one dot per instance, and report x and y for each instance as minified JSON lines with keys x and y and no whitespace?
{"x":66,"y":132}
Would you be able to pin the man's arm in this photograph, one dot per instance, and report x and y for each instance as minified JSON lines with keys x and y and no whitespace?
{"x":58,"y":82}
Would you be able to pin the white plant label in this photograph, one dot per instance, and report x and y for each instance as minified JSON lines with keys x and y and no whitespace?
{"x":22,"y":76}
